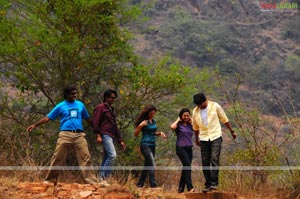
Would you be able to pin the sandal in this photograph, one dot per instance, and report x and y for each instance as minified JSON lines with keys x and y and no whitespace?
{"x":193,"y":191}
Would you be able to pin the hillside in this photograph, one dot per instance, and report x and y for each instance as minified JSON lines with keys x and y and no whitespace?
{"x":238,"y":37}
{"x":83,"y":42}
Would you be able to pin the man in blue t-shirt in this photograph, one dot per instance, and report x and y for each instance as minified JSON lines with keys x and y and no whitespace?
{"x":71,"y":113}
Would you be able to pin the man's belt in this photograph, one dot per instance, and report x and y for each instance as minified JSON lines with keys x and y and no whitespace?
{"x":74,"y":131}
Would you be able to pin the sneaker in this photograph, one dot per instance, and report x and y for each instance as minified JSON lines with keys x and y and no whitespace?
{"x":104,"y":183}
{"x":206,"y":189}
{"x":50,"y":182}
{"x":47,"y":182}
{"x":193,"y":191}
{"x":140,"y":185}
{"x":213,"y":187}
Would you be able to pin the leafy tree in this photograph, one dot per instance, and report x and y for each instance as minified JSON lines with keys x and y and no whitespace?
{"x":49,"y":44}
{"x":46,"y":45}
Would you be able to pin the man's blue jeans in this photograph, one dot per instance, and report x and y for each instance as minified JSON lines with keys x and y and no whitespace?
{"x":149,"y":164}
{"x":210,"y":152}
{"x":109,"y":155}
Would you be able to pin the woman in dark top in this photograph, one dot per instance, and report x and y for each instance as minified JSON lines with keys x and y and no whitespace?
{"x":146,"y":123}
{"x":184,"y":148}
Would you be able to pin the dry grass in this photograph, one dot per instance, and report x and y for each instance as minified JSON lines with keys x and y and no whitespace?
{"x":9,"y":181}
{"x":8,"y":187}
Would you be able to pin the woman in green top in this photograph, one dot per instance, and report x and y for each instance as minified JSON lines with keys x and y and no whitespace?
{"x":146,"y":123}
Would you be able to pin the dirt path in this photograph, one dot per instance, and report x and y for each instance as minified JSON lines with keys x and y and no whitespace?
{"x":39,"y":190}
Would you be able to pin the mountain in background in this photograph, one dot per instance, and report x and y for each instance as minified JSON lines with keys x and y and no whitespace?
{"x":237,"y":37}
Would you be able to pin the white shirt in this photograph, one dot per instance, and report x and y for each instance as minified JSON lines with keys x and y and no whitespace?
{"x":203,"y":114}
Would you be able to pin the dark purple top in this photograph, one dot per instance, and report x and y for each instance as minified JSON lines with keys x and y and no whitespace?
{"x":104,"y":121}
{"x":184,"y":134}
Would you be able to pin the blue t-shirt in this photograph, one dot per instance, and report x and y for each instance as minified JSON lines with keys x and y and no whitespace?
{"x":184,"y":135}
{"x":148,"y":134}
{"x":70,"y":113}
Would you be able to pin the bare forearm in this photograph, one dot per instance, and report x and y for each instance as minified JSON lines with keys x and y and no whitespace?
{"x":38,"y":123}
{"x":227,"y":124}
{"x":137,"y":131}
{"x":42,"y":121}
{"x":174,"y":124}
{"x":196,"y":133}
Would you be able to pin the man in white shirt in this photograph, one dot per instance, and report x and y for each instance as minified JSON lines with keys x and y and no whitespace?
{"x":207,"y":116}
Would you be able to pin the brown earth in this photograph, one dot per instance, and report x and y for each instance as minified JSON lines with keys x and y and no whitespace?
{"x":39,"y":190}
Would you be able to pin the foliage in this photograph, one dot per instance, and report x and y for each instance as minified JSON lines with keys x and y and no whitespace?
{"x":234,"y":36}
{"x":169,"y":87}
{"x":203,"y":41}
{"x":59,"y":40}
{"x":291,"y":29}
{"x":261,"y":140}
{"x":48,"y":44}
{"x":292,"y":65}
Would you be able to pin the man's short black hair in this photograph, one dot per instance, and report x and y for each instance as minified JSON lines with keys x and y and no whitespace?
{"x":69,"y":90}
{"x":107,"y":94}
{"x":199,"y":98}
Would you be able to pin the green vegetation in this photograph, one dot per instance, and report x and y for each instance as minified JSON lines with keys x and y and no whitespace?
{"x":46,"y":45}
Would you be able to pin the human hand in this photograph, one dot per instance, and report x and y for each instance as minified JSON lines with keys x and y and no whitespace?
{"x":163,"y":135}
{"x":30,"y":128}
{"x":198,"y":142}
{"x":233,"y":135}
{"x":123,"y":145}
{"x":99,"y":139}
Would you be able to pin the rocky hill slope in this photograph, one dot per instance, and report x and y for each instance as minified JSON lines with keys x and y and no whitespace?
{"x":262,"y":45}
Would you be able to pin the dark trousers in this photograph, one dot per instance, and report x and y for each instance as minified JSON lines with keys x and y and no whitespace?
{"x":210,"y":152}
{"x":185,"y":155}
{"x":149,"y":164}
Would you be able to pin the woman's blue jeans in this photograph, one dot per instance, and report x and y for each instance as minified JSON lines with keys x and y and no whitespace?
{"x":149,"y":164}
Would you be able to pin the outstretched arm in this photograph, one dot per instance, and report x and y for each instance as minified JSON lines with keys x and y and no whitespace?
{"x":38,"y":123}
{"x":161,"y":134}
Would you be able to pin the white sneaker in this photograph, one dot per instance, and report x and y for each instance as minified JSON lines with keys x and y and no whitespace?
{"x":46,"y":182}
{"x":104,"y":183}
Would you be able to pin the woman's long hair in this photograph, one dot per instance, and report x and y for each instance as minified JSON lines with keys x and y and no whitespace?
{"x":144,"y":114}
